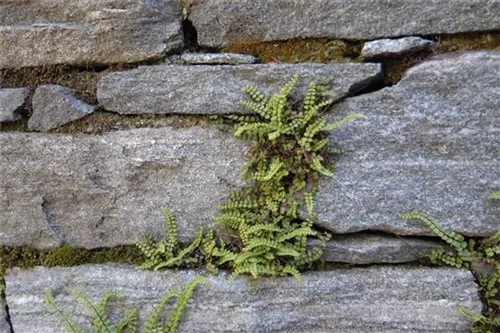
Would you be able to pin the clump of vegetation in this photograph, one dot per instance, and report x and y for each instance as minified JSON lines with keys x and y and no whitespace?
{"x":482,"y":258}
{"x":102,"y":323}
{"x":290,"y":153}
{"x":300,"y":50}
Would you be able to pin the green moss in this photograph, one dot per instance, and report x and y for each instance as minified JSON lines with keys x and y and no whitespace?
{"x":25,"y":257}
{"x":468,"y":41}
{"x":299,"y":50}
{"x":83,"y":81}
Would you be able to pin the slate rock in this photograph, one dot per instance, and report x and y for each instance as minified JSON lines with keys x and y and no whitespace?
{"x":394,"y":47}
{"x":207,"y":89}
{"x":54,"y":106}
{"x":217,"y":59}
{"x":430,"y":143}
{"x":376,"y":299}
{"x":366,"y":248}
{"x":224,"y":22}
{"x":11,"y":102}
{"x":108,"y":190}
{"x":48,"y":32}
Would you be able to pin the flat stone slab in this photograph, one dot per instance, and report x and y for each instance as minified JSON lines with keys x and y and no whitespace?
{"x":54,"y":106}
{"x":217,"y":59}
{"x":366,"y":248}
{"x":224,"y":22}
{"x":108,"y":190}
{"x":375,"y":299}
{"x":207,"y":89}
{"x":430,"y":143}
{"x":48,"y":32}
{"x":394,"y":47}
{"x":11,"y":102}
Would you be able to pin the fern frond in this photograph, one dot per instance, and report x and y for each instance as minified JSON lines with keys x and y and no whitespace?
{"x":64,"y":317}
{"x":130,"y":323}
{"x":494,"y":195}
{"x":336,"y":124}
{"x":176,"y":314}
{"x":455,"y":240}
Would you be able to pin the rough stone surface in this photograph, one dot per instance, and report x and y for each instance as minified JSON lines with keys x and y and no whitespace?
{"x":54,"y":106}
{"x":217,"y":58}
{"x":376,"y":299}
{"x":430,"y":143}
{"x":11,"y":102}
{"x":366,"y":248}
{"x":207,"y":89}
{"x":102,"y":191}
{"x":394,"y":47}
{"x":223,"y":22}
{"x":47,"y":32}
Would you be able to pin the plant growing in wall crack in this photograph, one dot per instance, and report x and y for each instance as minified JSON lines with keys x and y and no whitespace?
{"x":102,"y":323}
{"x":289,"y":155}
{"x":482,"y":258}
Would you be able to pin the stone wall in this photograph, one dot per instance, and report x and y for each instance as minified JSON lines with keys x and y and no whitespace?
{"x":94,"y":168}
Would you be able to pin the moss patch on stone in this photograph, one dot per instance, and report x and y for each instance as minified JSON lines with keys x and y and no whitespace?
{"x":100,"y":122}
{"x":82,"y":81}
{"x":467,"y":41}
{"x":66,"y":256}
{"x":300,"y":50}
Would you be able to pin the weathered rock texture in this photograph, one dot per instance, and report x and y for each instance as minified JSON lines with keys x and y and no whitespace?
{"x":377,"y":299}
{"x":365,"y":248}
{"x":217,"y":58}
{"x":53,"y":106}
{"x":430,"y":143}
{"x":223,"y":22}
{"x":95,"y":191}
{"x":217,"y":89}
{"x":394,"y":47}
{"x":47,"y":32}
{"x":11,"y":102}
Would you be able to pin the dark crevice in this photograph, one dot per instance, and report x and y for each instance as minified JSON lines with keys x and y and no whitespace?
{"x":190,"y":36}
{"x":3,"y":303}
{"x":368,"y":86}
{"x":52,"y":221}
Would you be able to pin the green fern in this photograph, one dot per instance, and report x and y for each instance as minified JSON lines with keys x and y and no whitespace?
{"x":290,"y":153}
{"x":494,"y":195}
{"x":129,"y":324}
{"x":470,"y":255}
{"x":455,"y":240}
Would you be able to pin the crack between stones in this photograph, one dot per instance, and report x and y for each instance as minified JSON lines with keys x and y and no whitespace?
{"x":52,"y":221}
{"x":3,"y":303}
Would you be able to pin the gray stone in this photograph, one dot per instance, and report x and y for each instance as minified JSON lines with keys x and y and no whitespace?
{"x":207,"y":89}
{"x":103,"y":191}
{"x":366,"y":248}
{"x":11,"y":102}
{"x":217,"y":58}
{"x":430,"y":143}
{"x":54,"y":106}
{"x":223,"y":22}
{"x":394,"y":47}
{"x":48,"y":32}
{"x":375,"y":299}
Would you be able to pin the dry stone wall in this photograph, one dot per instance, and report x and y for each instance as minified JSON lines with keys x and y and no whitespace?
{"x":429,"y":142}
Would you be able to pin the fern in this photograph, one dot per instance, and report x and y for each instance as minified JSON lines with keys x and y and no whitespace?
{"x":494,"y":195}
{"x":130,"y":324}
{"x":290,"y":152}
{"x":455,"y":240}
{"x":470,"y":255}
